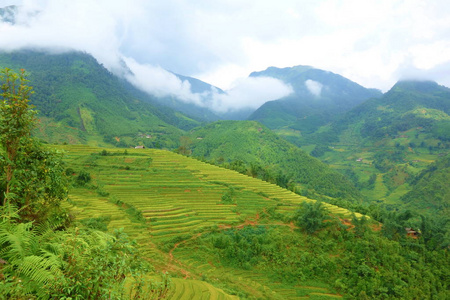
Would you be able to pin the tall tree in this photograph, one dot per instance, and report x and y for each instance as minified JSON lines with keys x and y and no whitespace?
{"x":16,"y":120}
{"x":32,"y":178}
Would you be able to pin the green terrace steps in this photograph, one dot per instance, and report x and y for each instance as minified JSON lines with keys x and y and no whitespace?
{"x":180,"y":194}
{"x":195,"y":289}
{"x":162,"y":200}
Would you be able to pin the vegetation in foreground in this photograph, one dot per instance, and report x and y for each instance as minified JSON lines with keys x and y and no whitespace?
{"x":42,"y":256}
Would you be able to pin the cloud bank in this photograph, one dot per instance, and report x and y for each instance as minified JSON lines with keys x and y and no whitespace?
{"x":112,"y":30}
{"x":250,"y":92}
{"x":314,"y":87}
{"x":247,"y":93}
{"x":219,"y":41}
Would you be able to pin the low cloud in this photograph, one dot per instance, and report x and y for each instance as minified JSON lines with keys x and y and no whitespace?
{"x":251,"y":92}
{"x":159,"y":82}
{"x":114,"y":31}
{"x":314,"y":87}
{"x":439,"y":73}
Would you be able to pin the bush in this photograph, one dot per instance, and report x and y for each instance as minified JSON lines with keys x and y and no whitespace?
{"x":83,"y":178}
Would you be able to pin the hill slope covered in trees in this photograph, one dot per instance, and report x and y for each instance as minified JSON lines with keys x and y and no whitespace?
{"x":250,"y":145}
{"x":80,"y":101}
{"x":382,"y":144}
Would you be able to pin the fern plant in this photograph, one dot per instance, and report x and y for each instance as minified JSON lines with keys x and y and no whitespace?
{"x":39,"y":262}
{"x":30,"y":260}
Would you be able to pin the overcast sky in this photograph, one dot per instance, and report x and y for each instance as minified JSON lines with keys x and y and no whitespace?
{"x":374,"y":43}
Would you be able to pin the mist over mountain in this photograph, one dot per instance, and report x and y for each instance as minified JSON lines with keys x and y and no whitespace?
{"x":80,"y":101}
{"x":99,"y":34}
{"x":319,"y":97}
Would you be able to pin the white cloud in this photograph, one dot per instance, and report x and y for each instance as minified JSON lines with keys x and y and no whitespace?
{"x":250,"y":92}
{"x":314,"y":87}
{"x":157,"y":81}
{"x":366,"y":41}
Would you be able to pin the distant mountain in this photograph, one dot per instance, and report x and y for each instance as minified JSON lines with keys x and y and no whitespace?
{"x":319,"y":97}
{"x":383,"y":143}
{"x":419,"y":105}
{"x":253,"y":143}
{"x":205,"y":111}
{"x":82,"y":102}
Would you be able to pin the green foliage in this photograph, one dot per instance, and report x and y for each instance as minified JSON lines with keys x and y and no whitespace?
{"x":99,"y":223}
{"x":83,"y":178}
{"x":311,"y":216}
{"x":229,"y":196}
{"x":355,"y":261}
{"x":431,"y":191}
{"x":319,"y":150}
{"x":242,"y":248}
{"x":33,"y":177}
{"x":248,"y":146}
{"x":41,"y":262}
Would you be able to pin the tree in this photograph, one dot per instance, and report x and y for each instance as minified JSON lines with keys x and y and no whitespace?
{"x":185,"y":146}
{"x":33,"y":177}
{"x":16,"y":120}
{"x":311,"y":216}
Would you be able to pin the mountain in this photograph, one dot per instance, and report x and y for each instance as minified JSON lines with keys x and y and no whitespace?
{"x":409,"y":105}
{"x":319,"y":97}
{"x":80,"y":102}
{"x":384,"y":143}
{"x":249,"y":142}
{"x":205,"y":112}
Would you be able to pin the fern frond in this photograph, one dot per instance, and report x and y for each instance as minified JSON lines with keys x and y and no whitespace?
{"x":39,"y":269}
{"x":15,"y":240}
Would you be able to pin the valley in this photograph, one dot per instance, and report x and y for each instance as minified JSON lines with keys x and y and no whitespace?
{"x":290,"y":204}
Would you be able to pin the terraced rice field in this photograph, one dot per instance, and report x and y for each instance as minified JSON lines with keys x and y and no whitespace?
{"x":179,"y":197}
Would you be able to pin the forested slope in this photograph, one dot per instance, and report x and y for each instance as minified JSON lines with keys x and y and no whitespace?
{"x":80,"y":101}
{"x":431,"y":189}
{"x":240,"y":143}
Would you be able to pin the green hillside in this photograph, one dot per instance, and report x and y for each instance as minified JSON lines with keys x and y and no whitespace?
{"x":409,"y":105}
{"x":319,"y":97}
{"x":382,"y":144}
{"x":81,"y":102}
{"x":250,"y":143}
{"x":220,"y":234}
{"x":430,"y":189}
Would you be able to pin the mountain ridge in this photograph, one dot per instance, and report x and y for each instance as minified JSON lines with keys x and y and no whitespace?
{"x":319,"y":97}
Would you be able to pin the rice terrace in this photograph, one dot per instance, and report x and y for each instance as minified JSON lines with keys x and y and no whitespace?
{"x":166,"y":201}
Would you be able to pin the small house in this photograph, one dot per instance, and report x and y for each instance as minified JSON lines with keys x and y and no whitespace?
{"x":411,"y":232}
{"x":139,"y":147}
